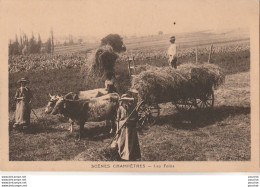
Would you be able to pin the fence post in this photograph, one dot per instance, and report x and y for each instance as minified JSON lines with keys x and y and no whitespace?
{"x":196,"y":55}
{"x":210,"y":53}
{"x":129,"y":66}
{"x":134,"y":64}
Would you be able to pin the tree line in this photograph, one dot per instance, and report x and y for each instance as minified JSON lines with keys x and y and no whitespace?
{"x":25,"y":45}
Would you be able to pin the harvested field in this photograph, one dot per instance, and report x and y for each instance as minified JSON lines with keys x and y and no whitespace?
{"x":222,"y":133}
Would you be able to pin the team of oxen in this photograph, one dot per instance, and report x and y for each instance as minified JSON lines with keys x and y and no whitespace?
{"x":93,"y":105}
{"x":97,"y":104}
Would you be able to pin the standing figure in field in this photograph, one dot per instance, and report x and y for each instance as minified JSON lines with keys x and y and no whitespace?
{"x":172,"y":53}
{"x":23,"y":99}
{"x":127,"y":142}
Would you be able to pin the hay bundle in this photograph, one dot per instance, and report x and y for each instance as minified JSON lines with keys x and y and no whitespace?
{"x":101,"y":61}
{"x":167,"y":84}
{"x":158,"y":84}
{"x":205,"y":74}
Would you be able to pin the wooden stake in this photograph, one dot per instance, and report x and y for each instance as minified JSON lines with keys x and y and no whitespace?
{"x":210,"y":53}
{"x":196,"y":55}
{"x":134,"y":64}
{"x":129,"y":67}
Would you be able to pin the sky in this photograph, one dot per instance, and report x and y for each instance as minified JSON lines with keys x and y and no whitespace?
{"x":136,"y":17}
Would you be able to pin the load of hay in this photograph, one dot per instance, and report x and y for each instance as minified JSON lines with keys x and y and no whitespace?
{"x":167,"y":84}
{"x":101,"y":61}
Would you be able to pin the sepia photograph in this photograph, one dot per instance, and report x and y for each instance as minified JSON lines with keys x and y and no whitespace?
{"x":157,"y":84}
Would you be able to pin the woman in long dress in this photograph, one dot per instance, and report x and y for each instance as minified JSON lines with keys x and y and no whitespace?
{"x":127,"y":140}
{"x":23,"y":98}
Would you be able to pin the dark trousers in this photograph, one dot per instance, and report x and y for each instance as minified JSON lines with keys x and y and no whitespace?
{"x":174,"y":62}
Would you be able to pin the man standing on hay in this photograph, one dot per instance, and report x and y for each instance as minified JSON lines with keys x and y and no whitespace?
{"x":172,"y":53}
{"x":127,"y":142}
{"x":23,"y":98}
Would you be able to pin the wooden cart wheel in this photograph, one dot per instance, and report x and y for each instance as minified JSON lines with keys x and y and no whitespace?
{"x":148,"y":114}
{"x":206,"y":100}
{"x":185,"y":104}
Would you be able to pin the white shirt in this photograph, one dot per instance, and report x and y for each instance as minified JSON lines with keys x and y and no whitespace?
{"x":172,"y":52}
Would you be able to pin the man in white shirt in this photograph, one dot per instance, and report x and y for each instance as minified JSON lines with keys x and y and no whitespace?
{"x":172,"y":53}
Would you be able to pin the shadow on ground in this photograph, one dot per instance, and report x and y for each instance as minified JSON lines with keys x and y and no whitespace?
{"x":38,"y":126}
{"x":96,"y":133}
{"x":195,"y":119}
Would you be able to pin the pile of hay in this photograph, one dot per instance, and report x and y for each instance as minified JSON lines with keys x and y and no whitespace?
{"x":101,"y":60}
{"x":166,"y":84}
{"x":97,"y":64}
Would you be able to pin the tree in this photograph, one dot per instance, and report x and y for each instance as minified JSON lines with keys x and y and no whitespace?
{"x":80,"y":40}
{"x":33,"y":47}
{"x":39,"y":44}
{"x":160,"y":33}
{"x":48,"y":46}
{"x":21,"y":43}
{"x":70,"y":40}
{"x":15,"y":47}
{"x":10,"y":48}
{"x":52,"y":41}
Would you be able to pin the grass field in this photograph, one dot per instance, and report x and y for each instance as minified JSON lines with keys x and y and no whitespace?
{"x":222,"y":133}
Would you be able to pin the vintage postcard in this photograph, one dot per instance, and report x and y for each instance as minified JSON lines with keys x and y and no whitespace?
{"x":133,"y":85}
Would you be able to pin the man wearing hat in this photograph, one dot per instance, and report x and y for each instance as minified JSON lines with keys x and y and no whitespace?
{"x":127,"y":140}
{"x":23,"y":98}
{"x":172,"y":53}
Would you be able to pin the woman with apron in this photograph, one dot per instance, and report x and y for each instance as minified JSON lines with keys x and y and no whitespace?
{"x":127,"y":141}
{"x":23,"y":98}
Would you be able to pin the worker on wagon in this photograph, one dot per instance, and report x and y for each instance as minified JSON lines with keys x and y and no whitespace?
{"x":23,"y":99}
{"x":127,"y":142}
{"x":110,"y":82}
{"x":172,"y":53}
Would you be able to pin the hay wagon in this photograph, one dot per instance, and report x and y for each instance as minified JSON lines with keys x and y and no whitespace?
{"x":149,"y":112}
{"x":187,"y":88}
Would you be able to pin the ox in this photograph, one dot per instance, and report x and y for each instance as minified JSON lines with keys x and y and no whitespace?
{"x":95,"y":109}
{"x":88,"y":94}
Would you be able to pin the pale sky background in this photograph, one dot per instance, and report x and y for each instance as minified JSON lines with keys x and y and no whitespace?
{"x":125,"y":17}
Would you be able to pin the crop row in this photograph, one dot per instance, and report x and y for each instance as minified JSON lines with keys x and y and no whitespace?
{"x":73,"y":60}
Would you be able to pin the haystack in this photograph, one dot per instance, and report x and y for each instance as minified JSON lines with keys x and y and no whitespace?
{"x":167,"y":84}
{"x":102,"y":60}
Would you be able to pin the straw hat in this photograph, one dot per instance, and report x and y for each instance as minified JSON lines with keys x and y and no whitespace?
{"x":172,"y":38}
{"x":126,"y":97}
{"x":23,"y":80}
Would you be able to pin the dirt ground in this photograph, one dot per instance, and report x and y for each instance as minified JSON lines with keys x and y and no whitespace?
{"x":222,"y":133}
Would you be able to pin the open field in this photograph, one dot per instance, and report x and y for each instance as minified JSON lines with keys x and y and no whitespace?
{"x":62,"y":81}
{"x":222,"y":133}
